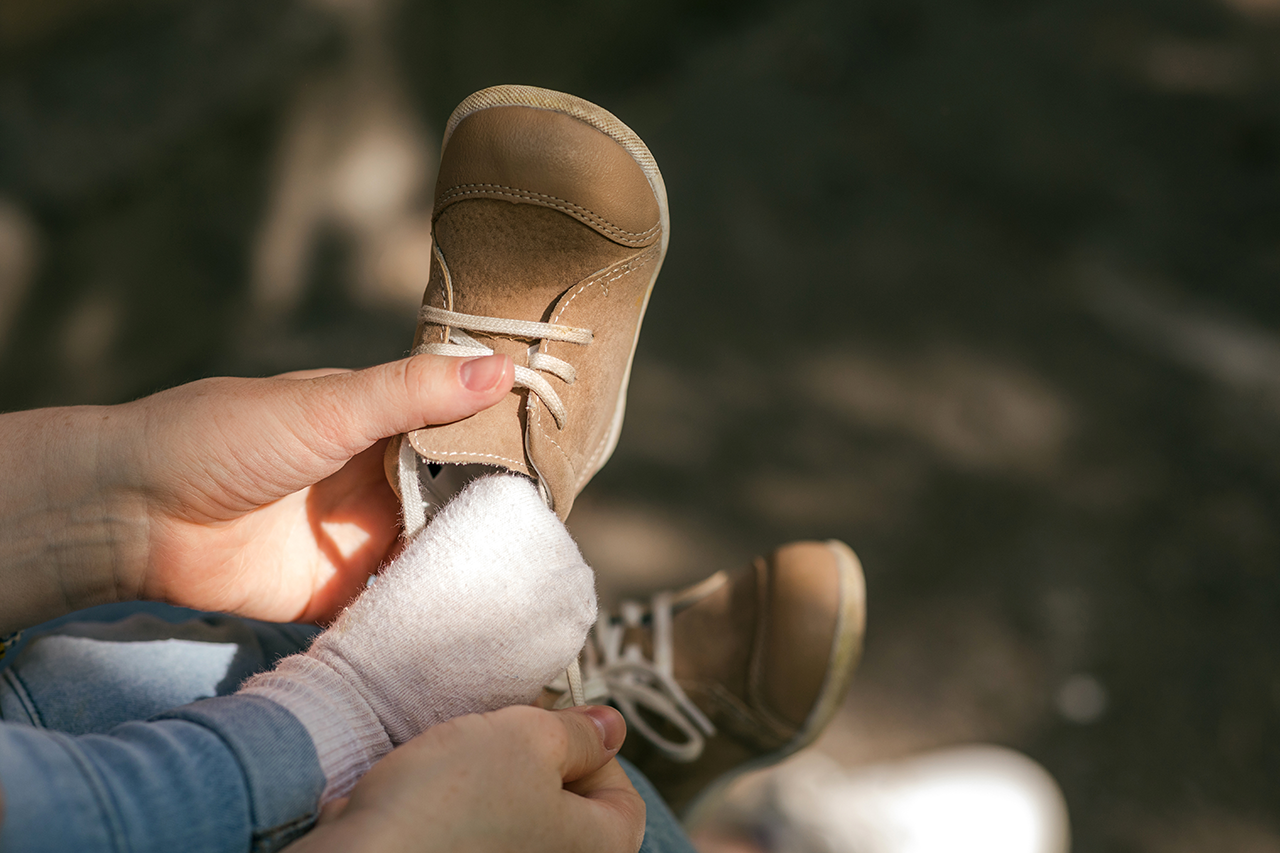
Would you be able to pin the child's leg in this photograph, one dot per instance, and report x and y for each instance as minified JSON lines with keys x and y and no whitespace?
{"x":85,"y":676}
{"x":478,"y":613}
{"x":484,"y":607}
{"x":224,"y":774}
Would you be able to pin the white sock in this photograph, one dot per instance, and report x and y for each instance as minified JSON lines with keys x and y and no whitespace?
{"x":489,"y":603}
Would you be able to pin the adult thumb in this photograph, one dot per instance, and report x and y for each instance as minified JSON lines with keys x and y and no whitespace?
{"x":595,"y":732}
{"x":353,"y":410}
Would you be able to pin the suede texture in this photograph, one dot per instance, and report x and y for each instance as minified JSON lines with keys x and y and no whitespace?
{"x":540,"y":216}
{"x":803,"y":598}
{"x":767,"y":654}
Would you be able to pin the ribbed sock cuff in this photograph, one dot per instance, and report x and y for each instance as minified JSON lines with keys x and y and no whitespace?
{"x":346,"y":732}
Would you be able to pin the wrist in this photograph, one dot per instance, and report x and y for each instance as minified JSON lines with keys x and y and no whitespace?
{"x":71,"y":532}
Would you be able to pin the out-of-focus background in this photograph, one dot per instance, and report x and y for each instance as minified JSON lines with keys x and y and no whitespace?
{"x":987,"y":289}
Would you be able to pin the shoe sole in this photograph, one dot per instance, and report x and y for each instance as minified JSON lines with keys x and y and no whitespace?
{"x":845,"y":652}
{"x":608,"y":124}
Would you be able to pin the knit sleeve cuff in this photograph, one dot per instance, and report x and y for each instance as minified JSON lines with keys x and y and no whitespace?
{"x":346,"y":732}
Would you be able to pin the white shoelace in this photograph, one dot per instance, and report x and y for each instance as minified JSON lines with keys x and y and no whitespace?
{"x":622,"y":674}
{"x":462,"y":344}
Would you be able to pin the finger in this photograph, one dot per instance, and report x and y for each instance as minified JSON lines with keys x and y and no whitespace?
{"x":594,"y":735}
{"x":349,"y":411}
{"x":605,"y":809}
{"x":602,"y":780}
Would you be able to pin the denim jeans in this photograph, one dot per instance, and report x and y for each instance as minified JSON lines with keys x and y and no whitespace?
{"x":118,"y":732}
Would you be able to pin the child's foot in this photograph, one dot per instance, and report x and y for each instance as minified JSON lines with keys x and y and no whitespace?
{"x":477,"y":613}
{"x":550,"y":225}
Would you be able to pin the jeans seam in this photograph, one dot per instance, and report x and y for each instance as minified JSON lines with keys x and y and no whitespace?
{"x":101,"y":793}
{"x":25,"y":699}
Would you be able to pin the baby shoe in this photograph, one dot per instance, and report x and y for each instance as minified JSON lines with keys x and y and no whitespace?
{"x":734,"y":673}
{"x":549,"y":227}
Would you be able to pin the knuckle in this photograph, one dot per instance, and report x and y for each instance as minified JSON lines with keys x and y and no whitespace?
{"x":541,"y":733}
{"x":466,"y":733}
{"x":513,"y":721}
{"x":555,"y":738}
{"x":406,"y":376}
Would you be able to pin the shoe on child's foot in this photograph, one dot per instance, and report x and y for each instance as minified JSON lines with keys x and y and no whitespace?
{"x":734,"y":673}
{"x":550,"y":225}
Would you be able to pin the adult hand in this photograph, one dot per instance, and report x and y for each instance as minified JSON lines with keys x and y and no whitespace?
{"x":516,"y":779}
{"x":261,"y":497}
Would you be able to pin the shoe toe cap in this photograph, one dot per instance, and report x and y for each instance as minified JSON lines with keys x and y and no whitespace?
{"x":539,"y":156}
{"x":812,"y":604}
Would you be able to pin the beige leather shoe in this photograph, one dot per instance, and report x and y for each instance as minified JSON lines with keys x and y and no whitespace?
{"x":733,"y":674}
{"x":550,"y":225}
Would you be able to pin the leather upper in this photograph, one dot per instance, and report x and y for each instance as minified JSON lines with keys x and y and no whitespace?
{"x":540,"y":216}
{"x":537,"y":156}
{"x":766,"y":654}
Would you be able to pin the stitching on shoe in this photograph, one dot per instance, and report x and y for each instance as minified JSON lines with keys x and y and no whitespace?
{"x":564,"y":205}
{"x":485,"y":455}
{"x":537,"y":414}
{"x":501,"y":189}
{"x":632,"y":265}
{"x":628,"y":266}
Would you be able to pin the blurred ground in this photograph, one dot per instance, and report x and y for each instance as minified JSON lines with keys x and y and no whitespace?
{"x":986,"y":289}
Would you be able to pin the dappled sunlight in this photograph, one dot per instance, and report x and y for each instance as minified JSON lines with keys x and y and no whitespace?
{"x":942,"y":673}
{"x":1232,"y":351}
{"x":19,"y":261}
{"x":92,"y":328}
{"x":1205,"y":829}
{"x":353,"y":157}
{"x":973,"y":411}
{"x":346,"y":537}
{"x":637,"y":549}
{"x":875,"y":490}
{"x":1262,"y":10}
{"x":1198,"y":67}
